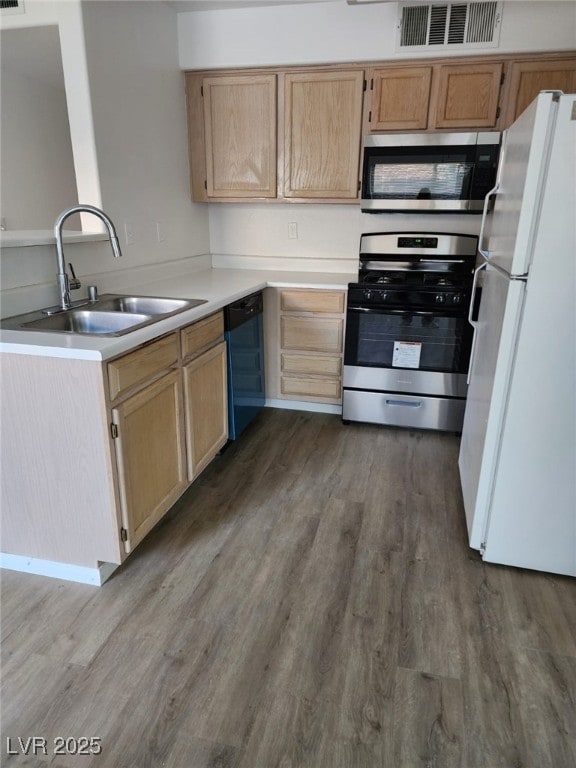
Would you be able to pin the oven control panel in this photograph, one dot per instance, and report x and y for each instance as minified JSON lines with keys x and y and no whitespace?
{"x":381,"y":296}
{"x":417,"y":242}
{"x":407,"y":297}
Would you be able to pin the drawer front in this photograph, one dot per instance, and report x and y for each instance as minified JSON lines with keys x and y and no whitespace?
{"x":328,"y":389}
{"x":312,"y":334}
{"x":312,"y":301}
{"x":202,"y":334}
{"x":315,"y":365}
{"x":404,"y":410}
{"x":141,"y":365}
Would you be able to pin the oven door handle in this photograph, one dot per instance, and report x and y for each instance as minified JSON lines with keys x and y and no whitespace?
{"x":495,"y":189}
{"x":442,"y":261}
{"x":385,"y":311}
{"x":474,"y":323}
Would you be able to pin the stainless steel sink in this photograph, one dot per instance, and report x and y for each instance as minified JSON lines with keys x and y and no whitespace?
{"x":110,"y":315}
{"x":146,"y":305}
{"x":89,"y":321}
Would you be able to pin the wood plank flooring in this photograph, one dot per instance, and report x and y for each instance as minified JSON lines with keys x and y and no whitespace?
{"x":311,"y":602}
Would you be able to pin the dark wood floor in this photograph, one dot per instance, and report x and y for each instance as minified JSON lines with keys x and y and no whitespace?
{"x":311,"y":602}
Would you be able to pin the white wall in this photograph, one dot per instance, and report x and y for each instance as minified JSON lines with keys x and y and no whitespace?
{"x":36,"y":166}
{"x":139,"y":109}
{"x":133,"y":106}
{"x":325,"y":33}
{"x":67,"y":16}
{"x":320,"y":33}
{"x":328,"y":235}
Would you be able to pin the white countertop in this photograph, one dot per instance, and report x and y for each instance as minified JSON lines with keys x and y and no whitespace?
{"x":218,"y":286}
{"x":25,"y":238}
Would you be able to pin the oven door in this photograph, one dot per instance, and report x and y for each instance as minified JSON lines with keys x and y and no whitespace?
{"x":399,"y":350}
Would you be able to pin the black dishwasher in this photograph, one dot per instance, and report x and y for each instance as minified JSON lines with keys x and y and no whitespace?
{"x":244,"y":333}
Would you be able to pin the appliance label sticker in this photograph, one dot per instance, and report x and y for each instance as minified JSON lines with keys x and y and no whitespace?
{"x":406,"y":354}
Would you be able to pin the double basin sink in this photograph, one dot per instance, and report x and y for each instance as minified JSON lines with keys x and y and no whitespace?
{"x":109,"y":315}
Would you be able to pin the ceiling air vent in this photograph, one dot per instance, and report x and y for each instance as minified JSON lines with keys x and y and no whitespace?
{"x":11,"y":6}
{"x":449,"y":25}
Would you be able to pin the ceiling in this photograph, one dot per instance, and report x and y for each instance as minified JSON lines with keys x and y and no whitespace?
{"x":183,"y":6}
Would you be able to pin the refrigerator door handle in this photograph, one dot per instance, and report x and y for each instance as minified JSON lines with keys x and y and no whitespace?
{"x":473,"y":323}
{"x":484,"y":251}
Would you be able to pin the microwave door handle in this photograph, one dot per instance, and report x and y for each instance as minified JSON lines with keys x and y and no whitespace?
{"x":484,"y":251}
{"x":473,"y":323}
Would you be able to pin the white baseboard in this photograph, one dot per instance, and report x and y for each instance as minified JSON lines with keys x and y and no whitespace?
{"x":303,"y":405}
{"x":78,"y":573}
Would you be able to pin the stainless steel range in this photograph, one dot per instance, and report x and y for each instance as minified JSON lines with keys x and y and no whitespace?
{"x":408,"y":339}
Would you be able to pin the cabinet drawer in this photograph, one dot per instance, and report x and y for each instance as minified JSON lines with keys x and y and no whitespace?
{"x":315,"y":365}
{"x":302,"y":387}
{"x":202,"y":334}
{"x":312,"y":333}
{"x":312,"y":301}
{"x":142,"y":364}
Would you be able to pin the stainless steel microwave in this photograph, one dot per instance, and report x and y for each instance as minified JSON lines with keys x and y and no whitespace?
{"x":428,"y":171}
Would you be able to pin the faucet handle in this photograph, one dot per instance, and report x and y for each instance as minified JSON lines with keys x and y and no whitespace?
{"x":73,"y":284}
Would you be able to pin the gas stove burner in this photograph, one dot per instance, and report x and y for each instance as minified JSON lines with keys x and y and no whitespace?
{"x":390,"y":279}
{"x":439,"y":281}
{"x":383,"y":278}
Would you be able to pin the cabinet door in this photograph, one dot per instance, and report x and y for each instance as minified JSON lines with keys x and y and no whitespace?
{"x":322,"y":131}
{"x":150,"y":454}
{"x":400,"y":99}
{"x":467,"y":95}
{"x":528,"y":78}
{"x":240,"y":130}
{"x":206,"y":407}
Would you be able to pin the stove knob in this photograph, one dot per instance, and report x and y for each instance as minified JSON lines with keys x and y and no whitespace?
{"x":383,"y":295}
{"x":456,"y":298}
{"x":440,"y":298}
{"x":367,"y":295}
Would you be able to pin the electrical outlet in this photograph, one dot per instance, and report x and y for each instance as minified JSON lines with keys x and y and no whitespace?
{"x":293,"y":230}
{"x":129,"y":233}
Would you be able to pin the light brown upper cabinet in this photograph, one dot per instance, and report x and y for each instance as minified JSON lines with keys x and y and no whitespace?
{"x":294,"y":134}
{"x":322,"y":132}
{"x":240,"y":135}
{"x":400,"y":99}
{"x":466,"y":95}
{"x":528,"y":78}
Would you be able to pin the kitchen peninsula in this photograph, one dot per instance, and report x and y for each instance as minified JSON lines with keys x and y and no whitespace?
{"x":67,"y":492}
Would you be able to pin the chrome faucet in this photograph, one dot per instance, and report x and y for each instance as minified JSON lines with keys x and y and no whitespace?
{"x":63,"y":283}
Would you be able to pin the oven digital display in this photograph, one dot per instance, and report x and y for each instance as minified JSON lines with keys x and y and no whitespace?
{"x":417,"y":242}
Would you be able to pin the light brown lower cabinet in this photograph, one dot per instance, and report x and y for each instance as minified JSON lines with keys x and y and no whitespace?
{"x":150,"y":455}
{"x":206,"y":408}
{"x":304,"y":348}
{"x":168,"y":421}
{"x":107,"y":447}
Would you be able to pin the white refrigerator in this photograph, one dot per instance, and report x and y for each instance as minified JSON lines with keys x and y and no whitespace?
{"x":518,"y":450}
